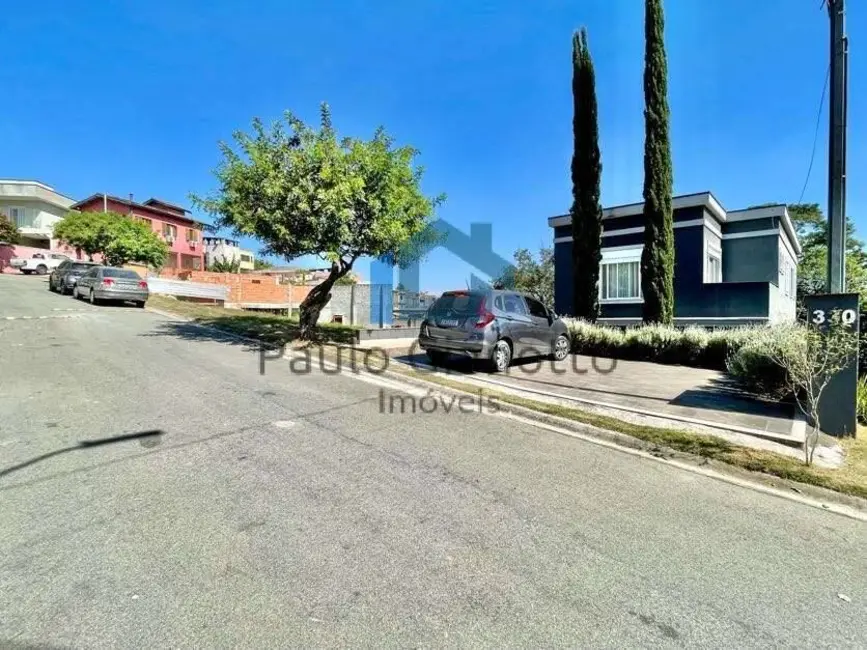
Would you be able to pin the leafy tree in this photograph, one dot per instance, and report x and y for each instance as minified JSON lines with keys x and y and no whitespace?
{"x":9,"y":232}
{"x":812,"y":229}
{"x":86,"y":231}
{"x":531,"y":276}
{"x":117,"y":237}
{"x":657,"y":259}
{"x":225,"y":266}
{"x":347,"y":279}
{"x":129,"y":240}
{"x":307,"y":192}
{"x":811,"y":360}
{"x":586,"y":177}
{"x":261,"y":265}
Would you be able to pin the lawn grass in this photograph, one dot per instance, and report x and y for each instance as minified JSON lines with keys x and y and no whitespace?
{"x":268,"y":328}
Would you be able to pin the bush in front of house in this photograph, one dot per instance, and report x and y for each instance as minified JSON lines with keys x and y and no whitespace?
{"x":743,"y":352}
{"x":692,"y":346}
{"x":752,"y":360}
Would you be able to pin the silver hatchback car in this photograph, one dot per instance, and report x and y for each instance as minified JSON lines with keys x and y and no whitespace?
{"x":495,"y":326}
{"x":104,"y":283}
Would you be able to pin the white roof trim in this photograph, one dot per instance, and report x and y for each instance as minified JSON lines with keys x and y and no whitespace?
{"x":634,"y":231}
{"x":705,"y":199}
{"x":9,"y":181}
{"x":779,"y":211}
{"x":751,"y":233}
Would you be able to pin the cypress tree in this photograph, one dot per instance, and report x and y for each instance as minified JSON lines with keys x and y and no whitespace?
{"x":657,"y":259}
{"x":586,"y":210}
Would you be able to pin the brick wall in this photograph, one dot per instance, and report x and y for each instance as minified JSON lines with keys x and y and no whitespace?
{"x":244,"y":288}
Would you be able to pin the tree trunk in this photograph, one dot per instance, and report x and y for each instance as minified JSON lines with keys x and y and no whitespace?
{"x":316,"y":300}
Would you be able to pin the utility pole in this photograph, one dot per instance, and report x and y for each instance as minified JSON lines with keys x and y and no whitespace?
{"x":836,"y":277}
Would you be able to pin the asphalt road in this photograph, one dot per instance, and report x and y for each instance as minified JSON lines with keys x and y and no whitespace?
{"x":285,"y":510}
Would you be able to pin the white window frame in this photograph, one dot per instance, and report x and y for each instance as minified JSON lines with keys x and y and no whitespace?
{"x":709,"y":276}
{"x":21,"y":211}
{"x":616,"y":257}
{"x":712,"y":249}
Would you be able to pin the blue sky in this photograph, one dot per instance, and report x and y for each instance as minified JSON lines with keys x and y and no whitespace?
{"x":133,"y":96}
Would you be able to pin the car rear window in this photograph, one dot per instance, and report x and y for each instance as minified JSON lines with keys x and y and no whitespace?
{"x":80,"y":267}
{"x":119,"y":273}
{"x":458,"y":303}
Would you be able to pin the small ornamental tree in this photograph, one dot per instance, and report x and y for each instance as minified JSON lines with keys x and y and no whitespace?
{"x":9,"y":232}
{"x":810,"y":359}
{"x":305,"y":191}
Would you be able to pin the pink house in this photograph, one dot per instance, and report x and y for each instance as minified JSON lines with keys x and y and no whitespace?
{"x":182,"y":234}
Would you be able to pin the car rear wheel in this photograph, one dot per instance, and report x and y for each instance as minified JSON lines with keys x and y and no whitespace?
{"x":140,"y":304}
{"x":501,"y":356}
{"x":93,"y":299}
{"x":41,"y":269}
{"x":561,"y":348}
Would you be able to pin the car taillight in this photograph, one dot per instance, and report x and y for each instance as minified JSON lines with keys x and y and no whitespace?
{"x":485,"y":316}
{"x":108,"y":282}
{"x":142,"y":285}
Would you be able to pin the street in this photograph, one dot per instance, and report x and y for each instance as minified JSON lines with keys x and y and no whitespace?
{"x":285,"y":510}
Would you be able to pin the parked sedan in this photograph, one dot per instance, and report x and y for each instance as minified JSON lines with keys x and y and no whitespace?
{"x":64,"y":278}
{"x":496,"y":326}
{"x":103,"y":283}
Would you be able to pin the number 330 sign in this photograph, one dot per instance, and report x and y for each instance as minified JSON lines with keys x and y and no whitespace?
{"x":847,"y":316}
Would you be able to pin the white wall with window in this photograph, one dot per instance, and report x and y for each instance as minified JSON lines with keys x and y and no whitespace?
{"x":620,"y":275}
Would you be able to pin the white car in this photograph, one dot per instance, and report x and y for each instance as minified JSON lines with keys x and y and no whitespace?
{"x":40,"y":263}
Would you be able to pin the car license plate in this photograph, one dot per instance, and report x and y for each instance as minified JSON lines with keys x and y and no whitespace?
{"x":448,"y":322}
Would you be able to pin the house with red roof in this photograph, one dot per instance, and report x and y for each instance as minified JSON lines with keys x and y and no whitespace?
{"x":182,"y":234}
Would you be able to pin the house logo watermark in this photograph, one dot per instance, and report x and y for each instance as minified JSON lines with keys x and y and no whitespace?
{"x":474,"y":249}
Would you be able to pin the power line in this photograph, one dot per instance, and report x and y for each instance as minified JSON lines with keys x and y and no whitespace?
{"x":816,"y":135}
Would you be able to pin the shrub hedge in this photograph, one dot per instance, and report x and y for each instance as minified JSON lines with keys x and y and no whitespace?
{"x":692,"y":346}
{"x":741,"y":351}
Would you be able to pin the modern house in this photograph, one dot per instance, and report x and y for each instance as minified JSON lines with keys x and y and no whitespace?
{"x":221,"y":249}
{"x":182,"y":234}
{"x":34,"y":207}
{"x":731,"y":268}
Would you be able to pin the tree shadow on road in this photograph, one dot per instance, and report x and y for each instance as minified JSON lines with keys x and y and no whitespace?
{"x":272,"y":332}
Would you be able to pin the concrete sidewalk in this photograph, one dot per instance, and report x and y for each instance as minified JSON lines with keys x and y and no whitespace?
{"x":700,"y":400}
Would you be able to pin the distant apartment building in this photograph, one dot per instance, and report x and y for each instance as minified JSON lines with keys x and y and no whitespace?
{"x":182,"y":234}
{"x":34,"y":208}
{"x":221,"y":249}
{"x":305,"y":277}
